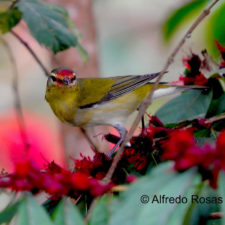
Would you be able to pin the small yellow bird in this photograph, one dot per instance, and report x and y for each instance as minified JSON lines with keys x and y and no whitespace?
{"x":98,"y":101}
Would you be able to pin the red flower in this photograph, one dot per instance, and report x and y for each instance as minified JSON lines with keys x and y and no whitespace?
{"x":190,"y":158}
{"x":180,"y":81}
{"x":220,"y":144}
{"x":192,"y":73}
{"x":220,"y":147}
{"x":98,"y":189}
{"x":189,"y":80}
{"x":193,"y":64}
{"x":200,"y":80}
{"x":222,"y":52}
{"x":52,"y":186}
{"x":179,"y":142}
{"x":80,"y":181}
{"x":154,"y":120}
{"x":131,"y":178}
{"x":209,"y":159}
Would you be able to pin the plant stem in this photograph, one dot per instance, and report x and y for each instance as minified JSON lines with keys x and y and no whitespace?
{"x":215,"y":119}
{"x":26,"y":45}
{"x":147,"y":101}
{"x":88,"y":215}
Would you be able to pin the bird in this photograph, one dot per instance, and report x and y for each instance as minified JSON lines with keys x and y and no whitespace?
{"x":84,"y":102}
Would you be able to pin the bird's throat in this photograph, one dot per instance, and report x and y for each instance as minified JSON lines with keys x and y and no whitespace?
{"x":63,"y":101}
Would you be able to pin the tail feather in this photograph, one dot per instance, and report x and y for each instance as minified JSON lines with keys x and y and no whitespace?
{"x":173,"y":89}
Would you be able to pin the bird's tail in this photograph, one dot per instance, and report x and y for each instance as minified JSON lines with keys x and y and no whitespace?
{"x":173,"y":89}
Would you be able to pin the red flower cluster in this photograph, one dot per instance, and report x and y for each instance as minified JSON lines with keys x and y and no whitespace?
{"x":193,"y":74}
{"x":222,"y":52}
{"x":181,"y":148}
{"x":139,"y":155}
{"x":96,"y":167}
{"x":55,"y":181}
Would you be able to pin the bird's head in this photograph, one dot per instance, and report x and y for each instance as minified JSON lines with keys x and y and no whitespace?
{"x":62,"y":76}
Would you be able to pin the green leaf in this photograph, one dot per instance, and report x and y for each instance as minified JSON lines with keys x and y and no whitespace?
{"x":31,"y":213}
{"x":190,"y":104}
{"x":67,"y":214}
{"x":215,"y":30}
{"x":222,"y":193}
{"x":217,"y":106}
{"x":9,"y":212}
{"x":102,"y":211}
{"x":9,"y":19}
{"x":48,"y":24}
{"x":181,"y":15}
{"x":162,"y":181}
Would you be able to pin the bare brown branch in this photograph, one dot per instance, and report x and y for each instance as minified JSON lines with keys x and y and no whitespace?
{"x":215,"y":119}
{"x":147,"y":101}
{"x":25,"y":44}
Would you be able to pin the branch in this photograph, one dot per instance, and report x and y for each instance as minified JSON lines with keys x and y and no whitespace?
{"x":147,"y":101}
{"x":88,"y":215}
{"x":25,"y":44}
{"x":17,"y":102}
{"x":215,"y":119}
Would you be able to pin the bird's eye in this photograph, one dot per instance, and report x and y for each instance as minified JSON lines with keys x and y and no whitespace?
{"x":53,"y":78}
{"x":59,"y":81}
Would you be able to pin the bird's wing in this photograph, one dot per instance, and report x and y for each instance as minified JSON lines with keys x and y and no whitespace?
{"x":99,"y":90}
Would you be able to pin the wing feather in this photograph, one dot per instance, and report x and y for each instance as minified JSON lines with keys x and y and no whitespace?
{"x":121,"y":85}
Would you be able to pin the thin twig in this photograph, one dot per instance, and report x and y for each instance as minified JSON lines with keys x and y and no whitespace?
{"x":31,"y":52}
{"x":17,"y":102}
{"x":147,"y":101}
{"x":91,"y":143}
{"x":215,"y":119}
{"x":88,"y":215}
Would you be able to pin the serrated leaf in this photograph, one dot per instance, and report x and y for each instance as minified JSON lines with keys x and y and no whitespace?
{"x":48,"y":24}
{"x":9,"y":212}
{"x":30,"y":213}
{"x":215,"y":30}
{"x":162,"y":181}
{"x":181,"y":15}
{"x":9,"y":19}
{"x":102,"y":211}
{"x":189,"y":105}
{"x":67,"y":214}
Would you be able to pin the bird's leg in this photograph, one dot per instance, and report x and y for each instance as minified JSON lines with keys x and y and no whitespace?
{"x":142,"y":123}
{"x":122,"y":132}
{"x":142,"y":120}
